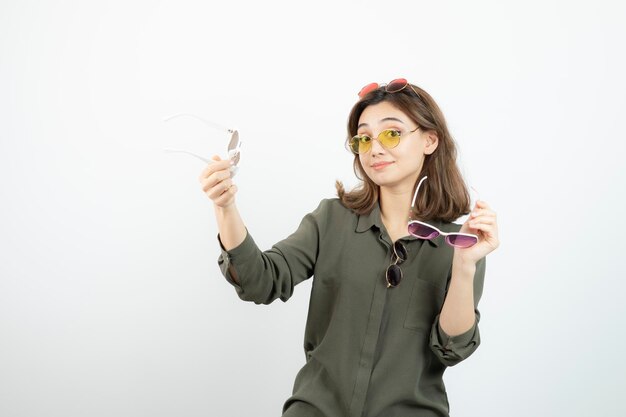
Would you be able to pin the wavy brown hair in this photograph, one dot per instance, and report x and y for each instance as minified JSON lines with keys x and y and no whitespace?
{"x":444,"y":195}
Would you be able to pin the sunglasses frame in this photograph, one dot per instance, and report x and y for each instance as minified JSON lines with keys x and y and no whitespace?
{"x":445,"y":234}
{"x":359,"y":137}
{"x":234,"y":144}
{"x":374,"y":86}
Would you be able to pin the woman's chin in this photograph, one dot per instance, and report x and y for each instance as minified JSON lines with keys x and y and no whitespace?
{"x":384,"y":180}
{"x":390,"y":180}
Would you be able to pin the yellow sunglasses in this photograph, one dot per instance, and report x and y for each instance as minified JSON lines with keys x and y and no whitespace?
{"x":388,"y":138}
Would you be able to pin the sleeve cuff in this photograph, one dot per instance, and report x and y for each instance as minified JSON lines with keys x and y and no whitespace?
{"x":461,"y":340}
{"x":243,"y":251}
{"x":453,"y":349}
{"x":237,"y":255}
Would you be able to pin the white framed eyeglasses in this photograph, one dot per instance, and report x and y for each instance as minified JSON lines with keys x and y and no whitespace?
{"x":234,"y":144}
{"x":426,"y":231}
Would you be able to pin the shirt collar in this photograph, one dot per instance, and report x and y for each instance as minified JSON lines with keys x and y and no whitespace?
{"x":366,"y":221}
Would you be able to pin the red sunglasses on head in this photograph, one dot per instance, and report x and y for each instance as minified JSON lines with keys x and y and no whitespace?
{"x":394,"y":86}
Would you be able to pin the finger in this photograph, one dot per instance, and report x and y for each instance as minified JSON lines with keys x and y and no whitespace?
{"x":481,"y":211}
{"x":485,"y":229}
{"x":218,"y":165}
{"x":488,"y":231}
{"x":482,"y":204}
{"x":227,"y":195}
{"x":481,"y":214}
{"x":213,"y":168}
{"x":489,"y":234}
{"x":490,"y":220}
{"x":215,"y":179}
{"x":482,"y":220}
{"x":219,"y":189}
{"x":215,"y":158}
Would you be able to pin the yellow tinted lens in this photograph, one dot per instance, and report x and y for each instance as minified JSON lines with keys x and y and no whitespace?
{"x":365,"y":144}
{"x":360,"y":144}
{"x":389,"y":138}
{"x":354,"y":144}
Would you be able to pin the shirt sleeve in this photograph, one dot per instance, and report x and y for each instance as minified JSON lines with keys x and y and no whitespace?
{"x":451,"y":350}
{"x":267,"y":275}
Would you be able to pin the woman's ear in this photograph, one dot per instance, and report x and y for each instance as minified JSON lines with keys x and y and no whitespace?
{"x":432,"y":141}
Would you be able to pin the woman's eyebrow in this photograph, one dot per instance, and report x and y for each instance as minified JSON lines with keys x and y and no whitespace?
{"x":386,"y":119}
{"x":393,"y":119}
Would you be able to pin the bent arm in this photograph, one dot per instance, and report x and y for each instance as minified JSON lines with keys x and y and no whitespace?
{"x":455,"y":335}
{"x":263,"y":276}
{"x":457,"y":313}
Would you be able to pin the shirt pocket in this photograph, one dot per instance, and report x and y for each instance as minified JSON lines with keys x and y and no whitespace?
{"x":424,"y":305}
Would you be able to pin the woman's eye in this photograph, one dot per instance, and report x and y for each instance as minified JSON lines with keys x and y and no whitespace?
{"x":365,"y":138}
{"x":391,"y":133}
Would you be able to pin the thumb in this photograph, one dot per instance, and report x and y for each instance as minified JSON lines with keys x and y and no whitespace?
{"x":216,"y":158}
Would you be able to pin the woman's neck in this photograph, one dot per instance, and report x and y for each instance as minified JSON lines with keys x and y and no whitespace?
{"x":395,"y":205}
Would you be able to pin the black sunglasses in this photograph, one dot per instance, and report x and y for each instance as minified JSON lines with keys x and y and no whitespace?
{"x":394,"y":273}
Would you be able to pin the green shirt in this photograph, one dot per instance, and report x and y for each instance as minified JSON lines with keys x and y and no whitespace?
{"x":370,"y":350}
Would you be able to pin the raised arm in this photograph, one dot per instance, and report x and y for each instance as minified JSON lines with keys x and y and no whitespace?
{"x":259,"y":276}
{"x":217,"y":184}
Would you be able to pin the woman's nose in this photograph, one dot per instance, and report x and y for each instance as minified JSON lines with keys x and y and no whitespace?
{"x":377,"y":148}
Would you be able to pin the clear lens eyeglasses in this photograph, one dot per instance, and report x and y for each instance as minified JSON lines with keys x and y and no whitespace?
{"x":234,"y":144}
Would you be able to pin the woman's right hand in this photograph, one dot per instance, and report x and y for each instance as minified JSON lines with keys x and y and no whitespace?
{"x":217,"y":183}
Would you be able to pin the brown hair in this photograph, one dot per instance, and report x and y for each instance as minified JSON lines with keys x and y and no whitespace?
{"x":444,"y":195}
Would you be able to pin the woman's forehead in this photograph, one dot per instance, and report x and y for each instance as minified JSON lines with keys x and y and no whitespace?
{"x":381,"y":113}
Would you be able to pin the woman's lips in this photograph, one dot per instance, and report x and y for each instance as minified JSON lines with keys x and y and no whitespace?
{"x":382,"y":165}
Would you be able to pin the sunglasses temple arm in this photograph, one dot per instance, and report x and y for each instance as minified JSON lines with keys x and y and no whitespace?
{"x":416,"y":190}
{"x":190,"y":153}
{"x":477,"y":196}
{"x":206,"y":122}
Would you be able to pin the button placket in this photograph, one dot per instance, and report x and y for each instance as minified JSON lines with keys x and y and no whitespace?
{"x":372,"y":334}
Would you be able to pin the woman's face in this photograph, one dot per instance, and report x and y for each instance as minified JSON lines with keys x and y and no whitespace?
{"x":400,"y":165}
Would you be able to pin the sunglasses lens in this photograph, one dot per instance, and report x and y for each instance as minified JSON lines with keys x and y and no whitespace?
{"x":368,"y":88}
{"x":422,"y":231}
{"x":400,"y":251}
{"x":233,"y":146}
{"x":360,"y":144}
{"x":461,"y":241}
{"x":389,"y":138}
{"x":353,"y":143}
{"x":396,"y":85}
{"x":394,"y":275}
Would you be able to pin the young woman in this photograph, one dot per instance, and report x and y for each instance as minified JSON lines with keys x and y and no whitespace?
{"x":397,"y":283}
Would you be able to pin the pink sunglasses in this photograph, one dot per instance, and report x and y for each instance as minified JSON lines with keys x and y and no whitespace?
{"x":426,"y":231}
{"x":393,"y":86}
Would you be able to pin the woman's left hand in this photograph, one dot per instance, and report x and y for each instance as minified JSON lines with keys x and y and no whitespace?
{"x":482,"y":222}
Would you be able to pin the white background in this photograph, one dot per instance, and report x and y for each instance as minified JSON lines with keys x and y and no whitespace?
{"x":111,"y":299}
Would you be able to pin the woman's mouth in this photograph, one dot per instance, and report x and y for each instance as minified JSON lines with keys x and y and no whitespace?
{"x":381,"y":165}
